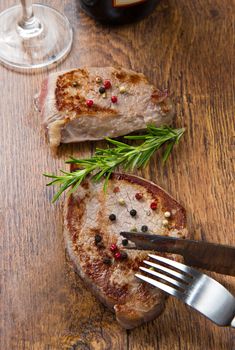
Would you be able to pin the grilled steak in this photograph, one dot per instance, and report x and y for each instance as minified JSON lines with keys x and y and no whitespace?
{"x":77,"y":105}
{"x":93,"y":221}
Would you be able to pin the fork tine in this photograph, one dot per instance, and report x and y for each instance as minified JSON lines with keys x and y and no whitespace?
{"x":163,"y":277}
{"x":189,"y":270}
{"x":159,"y":285}
{"x":169,"y":271}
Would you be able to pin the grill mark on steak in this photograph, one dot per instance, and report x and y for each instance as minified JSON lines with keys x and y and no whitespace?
{"x":84,"y":184}
{"x":101,"y":274}
{"x":159,"y":96}
{"x":115,"y":285}
{"x":67,"y":102}
{"x":77,"y":210}
{"x":117,"y":292}
{"x":133,"y":78}
{"x":67,"y":118}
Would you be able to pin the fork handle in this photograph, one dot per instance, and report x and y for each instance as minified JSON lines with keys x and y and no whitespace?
{"x":233,"y":323}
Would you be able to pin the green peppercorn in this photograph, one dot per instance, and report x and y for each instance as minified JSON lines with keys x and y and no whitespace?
{"x":98,"y":80}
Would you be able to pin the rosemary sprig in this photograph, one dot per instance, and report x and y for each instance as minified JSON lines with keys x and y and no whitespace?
{"x":105,"y":161}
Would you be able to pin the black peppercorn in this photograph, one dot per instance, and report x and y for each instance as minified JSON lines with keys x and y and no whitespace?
{"x":98,"y":239}
{"x":133,"y":212}
{"x":112,"y":217}
{"x":102,"y":90}
{"x":107,"y":260}
{"x":125,"y":242}
{"x":100,"y":245}
{"x":144,"y":228}
{"x":124,"y":255}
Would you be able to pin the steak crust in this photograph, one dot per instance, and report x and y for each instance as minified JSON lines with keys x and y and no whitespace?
{"x":67,"y":118}
{"x":87,"y":215}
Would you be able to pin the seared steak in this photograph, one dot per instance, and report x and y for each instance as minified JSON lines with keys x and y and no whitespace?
{"x":93,"y":221}
{"x":76,"y":108}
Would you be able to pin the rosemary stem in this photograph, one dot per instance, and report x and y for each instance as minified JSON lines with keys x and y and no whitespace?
{"x":105,"y":161}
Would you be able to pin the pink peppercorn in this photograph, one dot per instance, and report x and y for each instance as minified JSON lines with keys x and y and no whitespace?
{"x":89,"y":103}
{"x":117,"y":256}
{"x":114,"y":99}
{"x":116,"y":189}
{"x":107,"y":84}
{"x":113,"y":247}
{"x":153,"y":205}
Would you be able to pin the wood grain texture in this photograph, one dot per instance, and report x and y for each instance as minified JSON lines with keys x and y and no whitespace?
{"x":187,"y":46}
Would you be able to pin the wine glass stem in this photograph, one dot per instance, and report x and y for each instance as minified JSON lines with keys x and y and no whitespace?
{"x":29,"y":25}
{"x":27,"y":9}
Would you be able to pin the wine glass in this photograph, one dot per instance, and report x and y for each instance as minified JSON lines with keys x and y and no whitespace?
{"x":33,"y":36}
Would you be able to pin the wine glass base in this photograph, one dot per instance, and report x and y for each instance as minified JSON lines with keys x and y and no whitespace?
{"x":46,"y":47}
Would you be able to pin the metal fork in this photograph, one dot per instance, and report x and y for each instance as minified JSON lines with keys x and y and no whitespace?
{"x":194,"y":288}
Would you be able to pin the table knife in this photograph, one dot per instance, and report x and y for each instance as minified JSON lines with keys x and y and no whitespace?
{"x":208,"y":256}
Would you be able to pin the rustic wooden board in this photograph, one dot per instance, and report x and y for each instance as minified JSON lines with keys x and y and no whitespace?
{"x":187,"y":46}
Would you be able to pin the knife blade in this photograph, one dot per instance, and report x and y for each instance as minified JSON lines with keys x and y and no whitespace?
{"x":209,"y":256}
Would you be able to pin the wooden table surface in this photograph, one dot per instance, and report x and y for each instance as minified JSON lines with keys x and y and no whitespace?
{"x":186,"y":46}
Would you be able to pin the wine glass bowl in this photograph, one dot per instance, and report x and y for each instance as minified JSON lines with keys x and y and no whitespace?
{"x":33,"y":37}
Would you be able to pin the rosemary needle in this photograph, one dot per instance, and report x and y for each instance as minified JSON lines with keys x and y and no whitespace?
{"x":105,"y":161}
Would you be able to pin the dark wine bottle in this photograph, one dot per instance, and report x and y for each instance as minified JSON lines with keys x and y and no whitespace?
{"x":118,"y":11}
